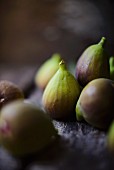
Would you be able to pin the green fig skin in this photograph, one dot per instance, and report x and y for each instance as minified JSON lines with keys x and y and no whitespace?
{"x":47,"y":70}
{"x":92,"y":64}
{"x":111,"y":63}
{"x":9,"y":92}
{"x":95,"y":104}
{"x":61,"y":94}
{"x":25,"y":129}
{"x":110,"y":138}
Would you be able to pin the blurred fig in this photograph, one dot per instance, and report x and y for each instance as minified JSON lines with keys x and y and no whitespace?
{"x":47,"y":70}
{"x":25,"y":129}
{"x":95,"y":104}
{"x":61,"y":94}
{"x":9,"y":92}
{"x":111,"y":63}
{"x":92,"y":64}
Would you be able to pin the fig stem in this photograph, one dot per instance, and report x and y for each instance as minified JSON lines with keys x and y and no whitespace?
{"x":102,"y":41}
{"x":62,"y":64}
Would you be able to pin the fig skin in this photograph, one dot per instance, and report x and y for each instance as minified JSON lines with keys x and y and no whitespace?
{"x":25,"y":129}
{"x":47,"y":70}
{"x":92,"y":64}
{"x":95,"y":104}
{"x":110,"y":138}
{"x":61,"y":94}
{"x":9,"y":92}
{"x":111,"y":63}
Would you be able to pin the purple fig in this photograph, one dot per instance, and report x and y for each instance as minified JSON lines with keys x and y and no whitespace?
{"x":95,"y":104}
{"x":92,"y":64}
{"x":9,"y":92}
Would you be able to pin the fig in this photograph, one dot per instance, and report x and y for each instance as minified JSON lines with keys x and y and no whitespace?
{"x":61,"y":94}
{"x":110,"y":137}
{"x":9,"y":92}
{"x":92,"y":64}
{"x":111,"y":64}
{"x":25,"y":129}
{"x":95,"y":104}
{"x":47,"y":70}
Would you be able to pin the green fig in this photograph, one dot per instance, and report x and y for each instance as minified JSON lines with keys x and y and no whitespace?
{"x":9,"y":92}
{"x":110,"y":138}
{"x":92,"y":64}
{"x":95,"y":104}
{"x":61,"y":94}
{"x":111,"y":63}
{"x":25,"y":129}
{"x":47,"y":70}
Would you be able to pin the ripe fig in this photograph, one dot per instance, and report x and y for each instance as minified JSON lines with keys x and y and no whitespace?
{"x":61,"y":94}
{"x":9,"y":92}
{"x":47,"y":70}
{"x":92,"y":64}
{"x":25,"y":129}
{"x":95,"y":104}
{"x":111,"y":63}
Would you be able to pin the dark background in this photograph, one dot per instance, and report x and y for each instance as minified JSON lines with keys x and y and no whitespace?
{"x":32,"y":30}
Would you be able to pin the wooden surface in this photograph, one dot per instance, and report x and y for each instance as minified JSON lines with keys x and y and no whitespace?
{"x":80,"y":146}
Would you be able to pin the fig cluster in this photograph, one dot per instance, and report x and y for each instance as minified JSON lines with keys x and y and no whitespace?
{"x":94,"y":73}
{"x":89,"y":93}
{"x":24,"y":128}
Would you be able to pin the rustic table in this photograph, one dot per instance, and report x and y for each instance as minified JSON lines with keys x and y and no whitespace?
{"x":80,"y":146}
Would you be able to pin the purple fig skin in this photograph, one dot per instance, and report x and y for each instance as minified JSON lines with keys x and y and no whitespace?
{"x":95,"y":104}
{"x":92,"y":64}
{"x":9,"y":92}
